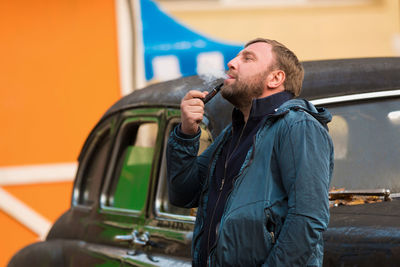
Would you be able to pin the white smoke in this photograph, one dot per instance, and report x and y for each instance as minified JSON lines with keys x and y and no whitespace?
{"x":210,"y":67}
{"x":212,"y":75}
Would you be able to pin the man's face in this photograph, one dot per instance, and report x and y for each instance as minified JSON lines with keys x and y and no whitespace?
{"x":247,"y":74}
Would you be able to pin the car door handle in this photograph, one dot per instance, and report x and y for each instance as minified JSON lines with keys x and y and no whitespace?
{"x":134,"y":238}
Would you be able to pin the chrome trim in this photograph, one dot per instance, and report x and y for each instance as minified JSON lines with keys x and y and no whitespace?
{"x":346,"y":98}
{"x":395,"y":195}
{"x":385,"y":193}
{"x":161,"y":179}
{"x":186,"y":218}
{"x":134,"y":238}
{"x":82,"y":207}
{"x":120,"y":211}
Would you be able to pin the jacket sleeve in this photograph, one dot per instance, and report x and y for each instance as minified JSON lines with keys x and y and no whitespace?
{"x":186,"y":172}
{"x":305,"y":157}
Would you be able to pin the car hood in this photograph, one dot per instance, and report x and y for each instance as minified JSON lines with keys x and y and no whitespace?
{"x":382,"y":214}
{"x":363,"y":235}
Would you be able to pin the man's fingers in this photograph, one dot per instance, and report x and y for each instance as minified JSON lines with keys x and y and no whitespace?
{"x":197,"y":118}
{"x":195,"y":102}
{"x":189,"y":104}
{"x":194,"y":94}
{"x":192,"y":108}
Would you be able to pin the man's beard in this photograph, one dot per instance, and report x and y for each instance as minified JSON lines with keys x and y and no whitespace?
{"x":242,"y":92}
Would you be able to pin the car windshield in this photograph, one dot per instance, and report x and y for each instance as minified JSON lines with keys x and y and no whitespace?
{"x":366,"y":137}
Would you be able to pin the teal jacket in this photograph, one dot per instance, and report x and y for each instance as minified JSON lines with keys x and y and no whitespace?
{"x":279,"y":206}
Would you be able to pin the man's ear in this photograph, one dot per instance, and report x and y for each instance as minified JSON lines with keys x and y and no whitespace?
{"x":275,"y":79}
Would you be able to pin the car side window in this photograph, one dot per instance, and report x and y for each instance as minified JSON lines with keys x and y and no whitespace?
{"x":163,"y":207}
{"x":92,"y":167}
{"x":363,"y":161}
{"x":135,"y":152}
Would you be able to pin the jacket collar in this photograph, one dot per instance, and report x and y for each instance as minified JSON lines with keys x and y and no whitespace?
{"x":319,"y":113}
{"x":261,"y":107}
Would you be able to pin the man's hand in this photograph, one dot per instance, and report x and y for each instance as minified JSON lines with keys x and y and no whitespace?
{"x":192,"y":110}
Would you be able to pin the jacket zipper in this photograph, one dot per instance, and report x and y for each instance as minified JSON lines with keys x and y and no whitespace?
{"x":206,"y":187}
{"x":209,"y":230}
{"x":229,"y":156}
{"x":272,"y":118}
{"x":229,"y":193}
{"x":222,"y":186}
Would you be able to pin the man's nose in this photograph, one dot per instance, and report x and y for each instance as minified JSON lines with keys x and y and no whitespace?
{"x":232,"y":64}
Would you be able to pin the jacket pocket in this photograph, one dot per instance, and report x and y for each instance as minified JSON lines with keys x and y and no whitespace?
{"x":273,"y":225}
{"x":243,"y":239}
{"x":269,"y":226}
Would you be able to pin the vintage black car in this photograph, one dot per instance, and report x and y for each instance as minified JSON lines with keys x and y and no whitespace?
{"x":120,"y":214}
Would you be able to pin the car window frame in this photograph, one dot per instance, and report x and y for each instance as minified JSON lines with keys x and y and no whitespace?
{"x":161,"y":177}
{"x":173,"y":118}
{"x":142,"y":115}
{"x":86,"y":156}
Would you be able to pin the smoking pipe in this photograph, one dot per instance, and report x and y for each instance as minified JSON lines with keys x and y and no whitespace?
{"x":212,"y":93}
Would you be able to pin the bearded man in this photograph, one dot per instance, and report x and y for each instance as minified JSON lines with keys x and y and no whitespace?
{"x":261,"y":188}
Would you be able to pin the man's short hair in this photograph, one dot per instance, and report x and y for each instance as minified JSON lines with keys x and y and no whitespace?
{"x":287,"y":61}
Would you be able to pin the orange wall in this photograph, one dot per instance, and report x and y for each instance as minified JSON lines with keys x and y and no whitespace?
{"x":58,"y":74}
{"x":50,"y":200}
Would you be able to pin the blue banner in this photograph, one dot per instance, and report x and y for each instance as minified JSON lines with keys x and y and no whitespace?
{"x":172,"y":50}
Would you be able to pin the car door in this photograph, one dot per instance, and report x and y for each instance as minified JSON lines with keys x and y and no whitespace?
{"x":65,"y":241}
{"x":169,"y":227}
{"x":364,"y":215}
{"x":115,"y":228}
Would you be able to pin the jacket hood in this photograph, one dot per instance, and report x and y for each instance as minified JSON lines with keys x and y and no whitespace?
{"x":319,"y":113}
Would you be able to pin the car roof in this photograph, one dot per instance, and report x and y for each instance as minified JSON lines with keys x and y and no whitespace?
{"x":322,"y":79}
